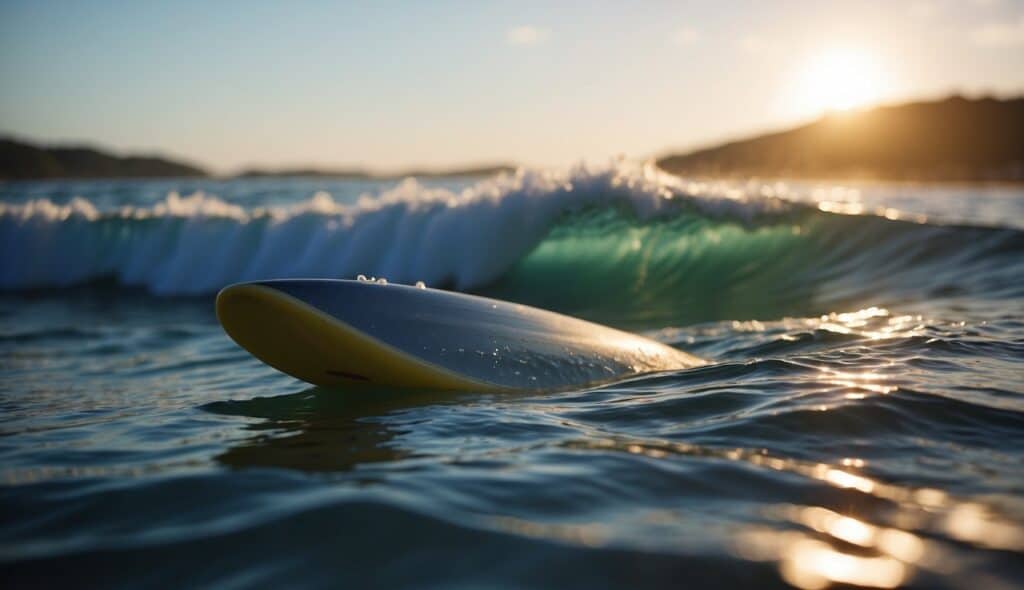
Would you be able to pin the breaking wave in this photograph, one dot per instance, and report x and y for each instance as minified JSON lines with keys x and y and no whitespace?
{"x":617,"y":238}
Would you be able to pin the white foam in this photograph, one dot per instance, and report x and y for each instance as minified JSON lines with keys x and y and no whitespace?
{"x":199,"y":243}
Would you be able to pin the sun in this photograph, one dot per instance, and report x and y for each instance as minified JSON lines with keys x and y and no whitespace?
{"x":838,"y":80}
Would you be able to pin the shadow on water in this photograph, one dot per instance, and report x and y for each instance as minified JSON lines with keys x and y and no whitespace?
{"x":324,"y":430}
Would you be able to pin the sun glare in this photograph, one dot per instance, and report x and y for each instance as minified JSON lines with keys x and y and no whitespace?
{"x":838,"y":80}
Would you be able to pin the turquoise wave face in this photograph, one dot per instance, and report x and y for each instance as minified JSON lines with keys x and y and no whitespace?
{"x":610,"y":266}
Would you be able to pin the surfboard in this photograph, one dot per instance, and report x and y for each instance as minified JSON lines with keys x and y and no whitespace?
{"x":338,"y":333}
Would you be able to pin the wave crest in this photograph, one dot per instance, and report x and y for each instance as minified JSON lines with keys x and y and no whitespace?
{"x":199,"y":243}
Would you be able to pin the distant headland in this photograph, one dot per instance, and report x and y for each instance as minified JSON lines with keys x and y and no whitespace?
{"x":955,"y":139}
{"x":24,"y":161}
{"x":20,"y":160}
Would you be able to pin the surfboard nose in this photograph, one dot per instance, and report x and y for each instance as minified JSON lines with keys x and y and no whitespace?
{"x":243,"y":311}
{"x":232,"y":303}
{"x":277,"y":329}
{"x":237,"y":304}
{"x":254,"y":314}
{"x":243,"y":306}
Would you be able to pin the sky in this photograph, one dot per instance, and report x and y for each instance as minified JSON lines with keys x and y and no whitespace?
{"x":389,"y":85}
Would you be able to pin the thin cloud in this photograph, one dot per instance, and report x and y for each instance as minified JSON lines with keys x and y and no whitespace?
{"x":685,"y":36}
{"x":526,"y":35}
{"x":1005,"y":34}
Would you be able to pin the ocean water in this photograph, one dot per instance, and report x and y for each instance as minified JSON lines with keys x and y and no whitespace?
{"x":860,"y":421}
